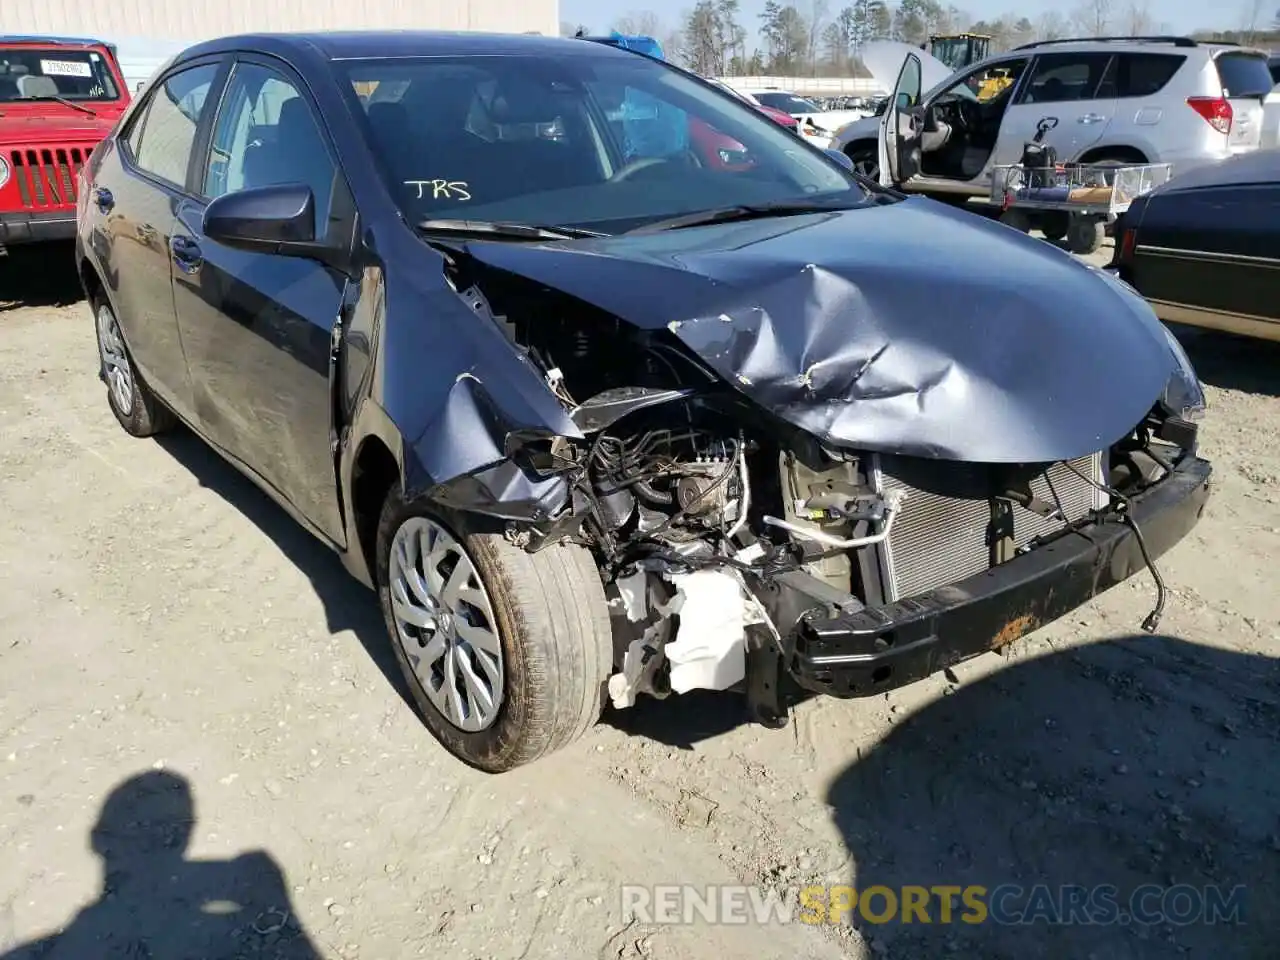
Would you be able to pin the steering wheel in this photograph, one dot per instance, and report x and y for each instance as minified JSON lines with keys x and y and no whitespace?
{"x":635,"y":166}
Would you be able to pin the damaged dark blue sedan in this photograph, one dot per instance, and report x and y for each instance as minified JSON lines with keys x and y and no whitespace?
{"x":602,"y":414}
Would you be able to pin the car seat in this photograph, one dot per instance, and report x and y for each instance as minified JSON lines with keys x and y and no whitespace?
{"x":34,"y":86}
{"x":297,"y":154}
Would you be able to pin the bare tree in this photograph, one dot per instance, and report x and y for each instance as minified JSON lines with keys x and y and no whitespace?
{"x":1051,"y":25}
{"x":646,"y":23}
{"x":1252,"y":14}
{"x":1094,"y":17}
{"x":1138,"y":20}
{"x":817,"y":12}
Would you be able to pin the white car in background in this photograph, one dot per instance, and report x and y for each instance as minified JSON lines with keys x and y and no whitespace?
{"x":1117,"y":101}
{"x":1271,"y":109}
{"x":816,"y":125}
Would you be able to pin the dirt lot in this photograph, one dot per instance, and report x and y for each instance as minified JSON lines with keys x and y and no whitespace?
{"x":166,"y":629}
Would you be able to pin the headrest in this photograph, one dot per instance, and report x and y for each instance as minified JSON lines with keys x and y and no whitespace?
{"x":32,"y":86}
{"x":295,"y":120}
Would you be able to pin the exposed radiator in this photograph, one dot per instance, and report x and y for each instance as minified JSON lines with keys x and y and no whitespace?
{"x":943,"y":532}
{"x":46,"y":177}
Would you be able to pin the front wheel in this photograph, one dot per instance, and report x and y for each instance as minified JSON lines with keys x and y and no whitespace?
{"x":506,"y":652}
{"x":866,"y":160}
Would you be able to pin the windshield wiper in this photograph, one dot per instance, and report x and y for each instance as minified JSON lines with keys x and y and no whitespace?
{"x":66,"y":103}
{"x":501,"y":230}
{"x":742,"y":212}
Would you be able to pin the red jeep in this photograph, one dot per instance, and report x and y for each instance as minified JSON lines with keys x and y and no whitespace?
{"x":59,"y":96}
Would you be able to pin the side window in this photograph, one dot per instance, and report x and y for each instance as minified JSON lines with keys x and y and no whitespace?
{"x":1061,"y":77}
{"x":266,"y":135}
{"x":134,"y":136}
{"x":162,"y":141}
{"x":988,"y":83}
{"x":1144,"y":74}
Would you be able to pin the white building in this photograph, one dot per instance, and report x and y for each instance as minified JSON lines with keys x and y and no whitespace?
{"x":148,"y":32}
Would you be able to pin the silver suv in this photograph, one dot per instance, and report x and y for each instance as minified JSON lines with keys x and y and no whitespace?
{"x":1123,"y":99}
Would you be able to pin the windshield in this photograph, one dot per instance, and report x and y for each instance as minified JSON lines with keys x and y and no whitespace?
{"x":606,"y":143}
{"x":28,"y":73}
{"x":788,"y":103}
{"x":954,"y":52}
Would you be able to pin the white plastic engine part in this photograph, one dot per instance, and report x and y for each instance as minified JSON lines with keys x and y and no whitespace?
{"x":709,"y":650}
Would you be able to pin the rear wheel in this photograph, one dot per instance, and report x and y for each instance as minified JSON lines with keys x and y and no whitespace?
{"x":506,"y":652}
{"x":134,"y":405}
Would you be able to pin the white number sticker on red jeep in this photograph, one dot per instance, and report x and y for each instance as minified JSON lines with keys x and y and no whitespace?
{"x":65,"y":68}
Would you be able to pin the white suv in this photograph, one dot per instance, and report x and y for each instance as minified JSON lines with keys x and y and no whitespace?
{"x":1119,"y":100}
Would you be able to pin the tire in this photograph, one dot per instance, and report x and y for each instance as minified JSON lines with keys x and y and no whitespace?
{"x":1018,"y":219}
{"x":554,"y":643}
{"x":866,"y":159}
{"x":139,"y":411}
{"x":1054,"y":224}
{"x":1084,"y":236}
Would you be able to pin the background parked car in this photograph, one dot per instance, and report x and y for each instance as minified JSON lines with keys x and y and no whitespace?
{"x":815,"y":123}
{"x":1127,"y":100}
{"x":1205,"y":248}
{"x":58,"y":97}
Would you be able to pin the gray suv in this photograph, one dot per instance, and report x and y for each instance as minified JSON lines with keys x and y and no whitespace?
{"x":1124,"y":100}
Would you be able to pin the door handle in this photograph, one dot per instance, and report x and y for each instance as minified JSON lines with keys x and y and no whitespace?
{"x":1090,"y":118}
{"x":103,"y":199}
{"x":186,"y":253}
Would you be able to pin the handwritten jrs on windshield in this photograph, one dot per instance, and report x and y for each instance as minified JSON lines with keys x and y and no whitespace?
{"x":441,"y":189}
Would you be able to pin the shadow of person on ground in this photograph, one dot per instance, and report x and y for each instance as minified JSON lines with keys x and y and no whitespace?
{"x":39,"y":275}
{"x":158,"y":905}
{"x":1145,"y":760}
{"x":1232,"y":362}
{"x":348,"y":604}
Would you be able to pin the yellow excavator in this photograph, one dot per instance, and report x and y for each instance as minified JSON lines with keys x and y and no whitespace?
{"x":959,"y":50}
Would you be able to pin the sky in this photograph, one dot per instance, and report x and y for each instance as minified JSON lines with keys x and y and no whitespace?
{"x":1181,"y":16}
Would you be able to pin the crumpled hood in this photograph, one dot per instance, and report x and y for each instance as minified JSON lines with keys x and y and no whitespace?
{"x":908,"y":328}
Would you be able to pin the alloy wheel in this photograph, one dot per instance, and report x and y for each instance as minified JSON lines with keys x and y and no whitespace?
{"x":115,"y":362}
{"x":445,"y":624}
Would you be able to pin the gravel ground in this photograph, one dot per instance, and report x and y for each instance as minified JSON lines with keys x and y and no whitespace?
{"x":205,"y":750}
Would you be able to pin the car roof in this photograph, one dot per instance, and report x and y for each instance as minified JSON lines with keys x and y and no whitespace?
{"x":1132,"y":45}
{"x":57,"y":41}
{"x":370,"y":44}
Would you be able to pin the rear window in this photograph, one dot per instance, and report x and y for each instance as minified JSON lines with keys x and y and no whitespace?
{"x":1143,"y":74}
{"x":1244,"y":75}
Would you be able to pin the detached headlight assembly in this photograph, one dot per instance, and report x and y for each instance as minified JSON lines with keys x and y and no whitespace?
{"x":1183,"y":395}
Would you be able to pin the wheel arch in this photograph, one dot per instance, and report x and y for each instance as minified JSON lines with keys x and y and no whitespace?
{"x":1114,"y":151}
{"x":374,"y":471}
{"x":853,"y":146}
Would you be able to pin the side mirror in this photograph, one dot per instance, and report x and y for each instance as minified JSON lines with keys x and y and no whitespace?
{"x":840,"y":157}
{"x":277,"y":219}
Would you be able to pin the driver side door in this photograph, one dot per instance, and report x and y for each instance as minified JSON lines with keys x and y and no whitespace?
{"x":901,"y":127}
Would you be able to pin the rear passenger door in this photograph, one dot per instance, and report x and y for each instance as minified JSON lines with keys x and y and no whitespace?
{"x":135,"y":196}
{"x":257,"y":326}
{"x":1078,"y":89}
